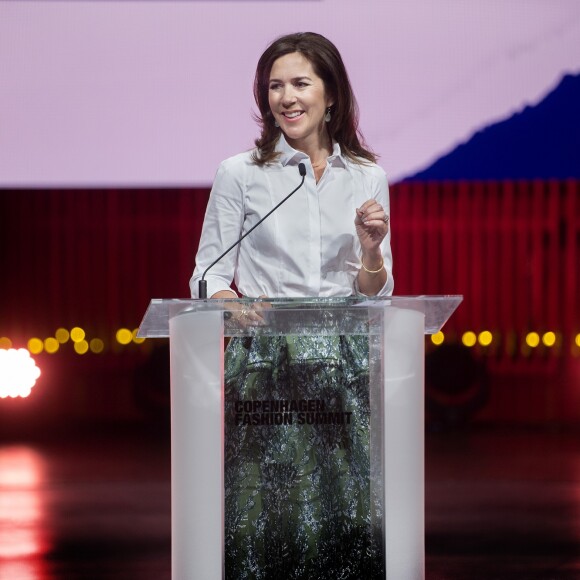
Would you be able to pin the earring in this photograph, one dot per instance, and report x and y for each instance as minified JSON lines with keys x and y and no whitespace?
{"x":327,"y":117}
{"x":276,"y":124}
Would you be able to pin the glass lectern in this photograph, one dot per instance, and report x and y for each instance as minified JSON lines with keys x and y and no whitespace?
{"x":298,"y":466}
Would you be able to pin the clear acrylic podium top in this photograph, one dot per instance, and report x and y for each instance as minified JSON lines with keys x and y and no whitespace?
{"x":316,"y":316}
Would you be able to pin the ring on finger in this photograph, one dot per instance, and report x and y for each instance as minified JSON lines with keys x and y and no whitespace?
{"x":386,"y":219}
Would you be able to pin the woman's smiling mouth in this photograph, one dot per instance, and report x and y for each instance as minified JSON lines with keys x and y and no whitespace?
{"x":291,"y":115}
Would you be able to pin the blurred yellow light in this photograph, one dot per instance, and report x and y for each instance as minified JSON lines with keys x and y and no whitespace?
{"x":485,"y":338}
{"x":438,"y":338}
{"x":469,"y":339}
{"x":77,"y":334}
{"x":577,"y":340}
{"x":549,"y":338}
{"x":62,"y":335}
{"x":134,"y":337}
{"x":51,"y":345}
{"x":35,"y":346}
{"x":124,"y":336}
{"x":5,"y":342}
{"x":81,"y":347}
{"x":97,"y":345}
{"x":532,"y":339}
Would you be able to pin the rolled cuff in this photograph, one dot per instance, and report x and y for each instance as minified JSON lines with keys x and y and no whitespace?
{"x":214,"y":284}
{"x":386,"y":290}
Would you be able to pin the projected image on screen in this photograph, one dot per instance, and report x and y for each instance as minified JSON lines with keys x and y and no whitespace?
{"x":156,"y":93}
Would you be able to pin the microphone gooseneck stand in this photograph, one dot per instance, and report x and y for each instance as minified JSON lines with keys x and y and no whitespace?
{"x":202,"y":284}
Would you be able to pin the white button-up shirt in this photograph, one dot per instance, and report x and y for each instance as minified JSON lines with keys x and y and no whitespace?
{"x":308,"y":247}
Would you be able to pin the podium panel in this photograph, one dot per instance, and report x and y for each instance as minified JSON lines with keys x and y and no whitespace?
{"x":298,"y":454}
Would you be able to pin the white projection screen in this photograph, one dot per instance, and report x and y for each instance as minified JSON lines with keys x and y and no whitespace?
{"x":157,"y":93}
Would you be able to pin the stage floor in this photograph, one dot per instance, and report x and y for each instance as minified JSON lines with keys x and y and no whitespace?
{"x":500,"y":504}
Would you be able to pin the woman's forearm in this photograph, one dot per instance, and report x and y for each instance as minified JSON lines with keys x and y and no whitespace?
{"x":372,"y":275}
{"x":224,"y":294}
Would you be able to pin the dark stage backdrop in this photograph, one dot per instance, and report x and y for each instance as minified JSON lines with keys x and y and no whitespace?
{"x":94,"y":258}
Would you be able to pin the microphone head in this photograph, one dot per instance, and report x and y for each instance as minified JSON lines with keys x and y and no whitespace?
{"x":302,"y":169}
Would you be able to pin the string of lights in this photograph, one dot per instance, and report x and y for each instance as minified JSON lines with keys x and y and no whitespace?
{"x":19,"y":372}
{"x":81,"y":344}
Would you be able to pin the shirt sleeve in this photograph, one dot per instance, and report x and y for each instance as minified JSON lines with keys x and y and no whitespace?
{"x":222,"y":227}
{"x":379,"y":189}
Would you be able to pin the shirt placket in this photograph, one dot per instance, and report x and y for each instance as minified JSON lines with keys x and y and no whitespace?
{"x":315,"y":236}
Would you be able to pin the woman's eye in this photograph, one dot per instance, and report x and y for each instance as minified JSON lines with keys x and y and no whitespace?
{"x":274,"y":86}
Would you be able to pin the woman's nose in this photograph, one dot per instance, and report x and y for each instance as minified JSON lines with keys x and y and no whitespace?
{"x":289,"y":97}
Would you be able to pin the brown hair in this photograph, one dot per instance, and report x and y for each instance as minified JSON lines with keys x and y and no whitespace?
{"x":327,"y":64}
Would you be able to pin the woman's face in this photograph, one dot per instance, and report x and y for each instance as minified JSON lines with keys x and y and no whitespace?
{"x":298,"y":101}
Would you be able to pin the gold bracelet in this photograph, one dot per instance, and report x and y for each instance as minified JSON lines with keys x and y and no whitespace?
{"x":372,"y":271}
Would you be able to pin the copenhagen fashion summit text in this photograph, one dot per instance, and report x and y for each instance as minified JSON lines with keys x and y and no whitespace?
{"x":288,"y":412}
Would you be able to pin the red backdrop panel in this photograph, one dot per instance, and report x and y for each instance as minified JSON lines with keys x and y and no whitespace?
{"x":95,"y":258}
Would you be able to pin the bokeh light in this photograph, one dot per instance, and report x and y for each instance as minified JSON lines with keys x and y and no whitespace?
{"x":77,"y":334}
{"x":549,"y":338}
{"x":51,"y":345}
{"x":438,"y":338}
{"x":485,"y":338}
{"x":124,"y":336}
{"x":35,"y":345}
{"x":62,"y":335}
{"x":532,"y":339}
{"x":577,"y":340}
{"x":5,"y":342}
{"x":96,"y":345}
{"x":469,"y":338}
{"x":135,"y":338}
{"x":81,"y":346}
{"x":18,"y":373}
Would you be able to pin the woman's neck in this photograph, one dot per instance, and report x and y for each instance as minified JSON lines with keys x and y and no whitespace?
{"x":318,"y":151}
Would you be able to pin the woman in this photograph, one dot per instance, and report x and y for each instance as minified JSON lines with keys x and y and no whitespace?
{"x":329,"y":239}
{"x":310,"y":246}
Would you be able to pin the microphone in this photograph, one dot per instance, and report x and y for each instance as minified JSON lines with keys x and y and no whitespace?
{"x":202,"y":284}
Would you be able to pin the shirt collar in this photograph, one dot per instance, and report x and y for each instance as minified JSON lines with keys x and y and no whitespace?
{"x":291,"y":156}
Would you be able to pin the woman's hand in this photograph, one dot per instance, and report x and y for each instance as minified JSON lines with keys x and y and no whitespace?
{"x":244,"y":314}
{"x":372,"y":225}
{"x":248,"y":314}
